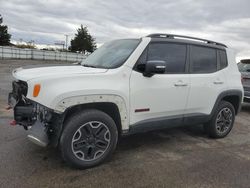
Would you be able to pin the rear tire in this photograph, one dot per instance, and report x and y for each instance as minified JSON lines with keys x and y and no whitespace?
{"x":88,"y":139}
{"x":222,"y":121}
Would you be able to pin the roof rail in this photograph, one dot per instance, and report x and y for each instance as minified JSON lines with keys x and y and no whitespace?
{"x":172,"y":36}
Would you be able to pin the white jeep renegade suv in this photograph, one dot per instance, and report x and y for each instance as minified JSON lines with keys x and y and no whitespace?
{"x":124,"y":87}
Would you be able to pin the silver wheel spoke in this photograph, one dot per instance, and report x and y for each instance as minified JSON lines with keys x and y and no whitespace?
{"x":101,"y":144}
{"x":77,"y":145}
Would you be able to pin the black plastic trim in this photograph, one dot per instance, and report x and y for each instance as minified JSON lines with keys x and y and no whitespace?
{"x":228,"y":93}
{"x":156,"y":123}
{"x":167,"y":122}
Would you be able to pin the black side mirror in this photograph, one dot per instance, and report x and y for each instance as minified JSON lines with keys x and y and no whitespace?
{"x":154,"y":67}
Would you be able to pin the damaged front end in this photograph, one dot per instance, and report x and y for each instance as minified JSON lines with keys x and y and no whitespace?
{"x":43,"y":124}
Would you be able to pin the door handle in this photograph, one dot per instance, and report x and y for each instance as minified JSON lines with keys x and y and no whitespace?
{"x":177,"y":84}
{"x":218,"y":82}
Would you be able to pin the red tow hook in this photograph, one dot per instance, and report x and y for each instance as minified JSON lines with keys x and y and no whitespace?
{"x":8,"y":108}
{"x":13,"y":122}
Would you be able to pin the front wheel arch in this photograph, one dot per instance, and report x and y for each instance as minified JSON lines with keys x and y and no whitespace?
{"x":107,"y":107}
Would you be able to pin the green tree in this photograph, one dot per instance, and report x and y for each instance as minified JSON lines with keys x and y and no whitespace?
{"x":4,"y":35}
{"x":83,"y":41}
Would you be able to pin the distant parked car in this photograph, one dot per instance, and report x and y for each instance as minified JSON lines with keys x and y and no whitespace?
{"x":244,"y":68}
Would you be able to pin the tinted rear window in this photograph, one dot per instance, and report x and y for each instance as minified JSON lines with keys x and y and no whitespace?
{"x":203,"y":60}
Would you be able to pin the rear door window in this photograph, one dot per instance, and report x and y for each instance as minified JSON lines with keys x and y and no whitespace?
{"x":203,"y":59}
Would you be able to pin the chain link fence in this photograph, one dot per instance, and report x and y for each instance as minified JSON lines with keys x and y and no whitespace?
{"x":7,"y":52}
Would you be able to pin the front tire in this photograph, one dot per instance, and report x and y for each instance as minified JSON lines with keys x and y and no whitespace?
{"x":222,"y":121}
{"x":88,"y":139}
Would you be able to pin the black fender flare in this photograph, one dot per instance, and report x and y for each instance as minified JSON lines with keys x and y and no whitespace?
{"x":228,"y":93}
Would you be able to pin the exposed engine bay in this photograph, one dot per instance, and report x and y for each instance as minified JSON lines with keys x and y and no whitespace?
{"x":36,"y":118}
{"x":26,"y":112}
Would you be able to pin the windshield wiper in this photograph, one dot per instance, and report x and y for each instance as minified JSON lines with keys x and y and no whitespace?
{"x":92,"y":66}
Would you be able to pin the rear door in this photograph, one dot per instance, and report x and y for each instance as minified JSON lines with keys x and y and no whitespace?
{"x":207,"y":78}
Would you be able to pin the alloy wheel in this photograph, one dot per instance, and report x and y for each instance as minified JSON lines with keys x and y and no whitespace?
{"x":90,"y":141}
{"x":224,"y":120}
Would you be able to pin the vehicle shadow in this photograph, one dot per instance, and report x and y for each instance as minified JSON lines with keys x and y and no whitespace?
{"x":129,"y":145}
{"x":159,"y":137}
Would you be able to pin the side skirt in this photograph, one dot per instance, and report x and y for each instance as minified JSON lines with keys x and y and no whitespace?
{"x":167,"y":122}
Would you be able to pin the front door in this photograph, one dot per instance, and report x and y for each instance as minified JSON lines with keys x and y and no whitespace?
{"x":162,"y":95}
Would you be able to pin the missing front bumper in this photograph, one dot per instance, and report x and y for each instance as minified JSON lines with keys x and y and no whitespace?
{"x":43,"y":124}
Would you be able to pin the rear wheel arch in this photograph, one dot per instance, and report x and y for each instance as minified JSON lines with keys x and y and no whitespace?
{"x":234,"y":100}
{"x":232,"y":96}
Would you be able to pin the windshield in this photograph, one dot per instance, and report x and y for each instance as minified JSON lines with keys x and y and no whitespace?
{"x":112,"y":54}
{"x":244,"y":67}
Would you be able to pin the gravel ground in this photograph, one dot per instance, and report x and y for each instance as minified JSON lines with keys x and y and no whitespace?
{"x":181,"y":157}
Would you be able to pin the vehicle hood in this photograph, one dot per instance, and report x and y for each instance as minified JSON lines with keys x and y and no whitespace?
{"x":32,"y":72}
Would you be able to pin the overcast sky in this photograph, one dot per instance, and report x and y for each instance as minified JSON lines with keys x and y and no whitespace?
{"x":46,"y":21}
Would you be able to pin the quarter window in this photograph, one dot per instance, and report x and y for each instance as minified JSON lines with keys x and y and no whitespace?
{"x":223,"y":59}
{"x":203,"y":60}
